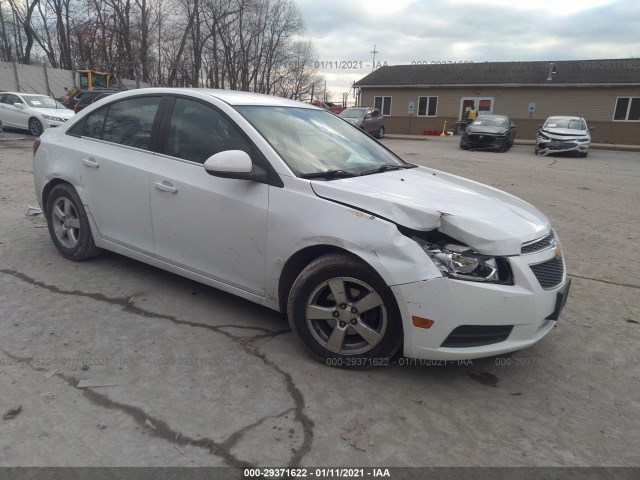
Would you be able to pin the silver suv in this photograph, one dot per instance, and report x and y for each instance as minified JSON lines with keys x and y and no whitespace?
{"x":368,"y":119}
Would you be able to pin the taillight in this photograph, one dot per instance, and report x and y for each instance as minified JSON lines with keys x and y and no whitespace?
{"x":75,"y":108}
{"x":36,"y":145}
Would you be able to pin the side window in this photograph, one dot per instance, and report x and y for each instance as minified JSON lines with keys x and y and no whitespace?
{"x":3,"y":98}
{"x":11,"y":99}
{"x":197,"y":131}
{"x":129,"y":122}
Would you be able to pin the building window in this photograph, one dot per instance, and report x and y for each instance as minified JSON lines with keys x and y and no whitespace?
{"x":627,"y":108}
{"x":428,"y":106}
{"x":383,"y":104}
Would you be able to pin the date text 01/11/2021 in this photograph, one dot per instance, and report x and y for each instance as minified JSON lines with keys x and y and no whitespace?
{"x":316,"y":472}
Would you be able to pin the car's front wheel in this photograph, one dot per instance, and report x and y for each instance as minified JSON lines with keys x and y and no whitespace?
{"x":35,"y":127}
{"x":68,"y":224}
{"x":380,"y":134}
{"x":344,"y":313}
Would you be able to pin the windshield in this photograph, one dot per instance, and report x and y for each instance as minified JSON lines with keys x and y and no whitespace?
{"x":40,"y":101}
{"x":314,"y":141}
{"x":487,"y":121}
{"x":570,"y":123}
{"x":352,"y":113}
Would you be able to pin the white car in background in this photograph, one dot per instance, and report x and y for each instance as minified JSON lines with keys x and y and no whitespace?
{"x":293,"y":208}
{"x":563,"y":135}
{"x":32,"y":112}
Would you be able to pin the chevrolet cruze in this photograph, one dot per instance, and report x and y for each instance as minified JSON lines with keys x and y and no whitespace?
{"x":293,"y":208}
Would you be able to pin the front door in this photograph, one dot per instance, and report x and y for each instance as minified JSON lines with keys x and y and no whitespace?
{"x":212,"y":226}
{"x":483,"y":105}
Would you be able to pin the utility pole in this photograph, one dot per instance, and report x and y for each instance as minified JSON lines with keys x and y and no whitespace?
{"x":373,"y":67}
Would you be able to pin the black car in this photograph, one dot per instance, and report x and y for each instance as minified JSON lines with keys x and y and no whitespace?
{"x":489,"y":132}
{"x":89,"y":97}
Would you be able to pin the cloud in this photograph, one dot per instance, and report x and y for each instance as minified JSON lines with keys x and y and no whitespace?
{"x":465,"y":30}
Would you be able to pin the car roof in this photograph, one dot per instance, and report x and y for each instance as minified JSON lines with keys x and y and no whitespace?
{"x":231,"y":97}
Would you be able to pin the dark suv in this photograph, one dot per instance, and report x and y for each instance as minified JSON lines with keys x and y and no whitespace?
{"x":89,"y":97}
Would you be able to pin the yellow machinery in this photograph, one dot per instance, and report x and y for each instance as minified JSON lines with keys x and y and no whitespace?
{"x":90,"y":79}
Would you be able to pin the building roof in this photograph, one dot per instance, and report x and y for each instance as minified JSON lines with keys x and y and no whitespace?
{"x":625,"y":71}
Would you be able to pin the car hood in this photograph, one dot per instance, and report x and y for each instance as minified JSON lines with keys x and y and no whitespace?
{"x":487,"y":129}
{"x":56,"y":112}
{"x":488,"y":220}
{"x":565,"y":132}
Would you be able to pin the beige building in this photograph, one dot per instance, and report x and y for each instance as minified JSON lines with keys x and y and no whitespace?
{"x":415,"y":98}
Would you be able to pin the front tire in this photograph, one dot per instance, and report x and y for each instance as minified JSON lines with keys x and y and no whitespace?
{"x":69,"y":225}
{"x":344,"y":313}
{"x":35,"y":127}
{"x":380,"y":134}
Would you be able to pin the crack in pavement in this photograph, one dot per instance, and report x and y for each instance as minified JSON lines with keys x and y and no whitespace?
{"x":160,"y":428}
{"x":246,"y":343}
{"x":628,"y":285}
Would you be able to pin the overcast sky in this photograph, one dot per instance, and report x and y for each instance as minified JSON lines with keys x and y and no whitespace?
{"x":406,"y":31}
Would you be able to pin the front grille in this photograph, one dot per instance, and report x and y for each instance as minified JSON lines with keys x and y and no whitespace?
{"x":549,"y":273}
{"x":477,"y":335}
{"x":538,"y":245}
{"x":481,"y":138}
{"x":561,"y":146}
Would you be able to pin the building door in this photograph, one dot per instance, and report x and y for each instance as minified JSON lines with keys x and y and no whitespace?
{"x":484,"y":106}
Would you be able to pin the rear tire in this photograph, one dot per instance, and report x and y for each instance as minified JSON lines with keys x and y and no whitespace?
{"x":344,"y":314}
{"x":68,"y":224}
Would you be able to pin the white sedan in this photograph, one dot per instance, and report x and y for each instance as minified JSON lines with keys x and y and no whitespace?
{"x":32,"y":112}
{"x":293,"y":208}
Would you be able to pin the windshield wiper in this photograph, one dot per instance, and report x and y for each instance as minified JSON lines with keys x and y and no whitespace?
{"x":329,"y":174}
{"x":386,"y":168}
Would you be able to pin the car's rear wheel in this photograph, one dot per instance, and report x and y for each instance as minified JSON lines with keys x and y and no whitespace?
{"x":35,"y":127}
{"x":68,"y":224}
{"x":344,"y":313}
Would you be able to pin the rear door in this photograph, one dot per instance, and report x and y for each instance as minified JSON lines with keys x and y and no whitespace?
{"x":113,"y":149}
{"x":212,"y":226}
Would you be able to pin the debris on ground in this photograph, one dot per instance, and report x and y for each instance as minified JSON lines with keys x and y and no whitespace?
{"x":94,"y":384}
{"x":33,"y":211}
{"x":101,"y":426}
{"x":178,"y":449}
{"x":149,"y":424}
{"x":357,"y":434}
{"x":630,"y":320}
{"x":84,"y":367}
{"x":485,"y":378}
{"x":50,"y":373}
{"x":48,"y":396}
{"x":419,"y":402}
{"x":13,"y":413}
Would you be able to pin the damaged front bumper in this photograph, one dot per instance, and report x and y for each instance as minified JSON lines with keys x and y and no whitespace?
{"x":476,"y":320}
{"x":484,"y":142}
{"x":548,"y":145}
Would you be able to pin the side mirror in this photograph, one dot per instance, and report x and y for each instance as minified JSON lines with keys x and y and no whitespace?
{"x":230,"y":164}
{"x":513,"y":125}
{"x":540,"y":126}
{"x":591,"y":129}
{"x":18,"y":105}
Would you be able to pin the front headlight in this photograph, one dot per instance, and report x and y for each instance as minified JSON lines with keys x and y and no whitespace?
{"x":55,"y":119}
{"x":584,"y":139}
{"x":542,"y":136}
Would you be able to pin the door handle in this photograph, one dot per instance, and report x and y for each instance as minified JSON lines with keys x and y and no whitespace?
{"x":166,"y":187}
{"x":90,"y":162}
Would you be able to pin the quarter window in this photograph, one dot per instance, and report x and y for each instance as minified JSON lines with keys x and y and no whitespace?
{"x":383,"y":104}
{"x":428,"y":106}
{"x":627,"y":108}
{"x":198,"y":131}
